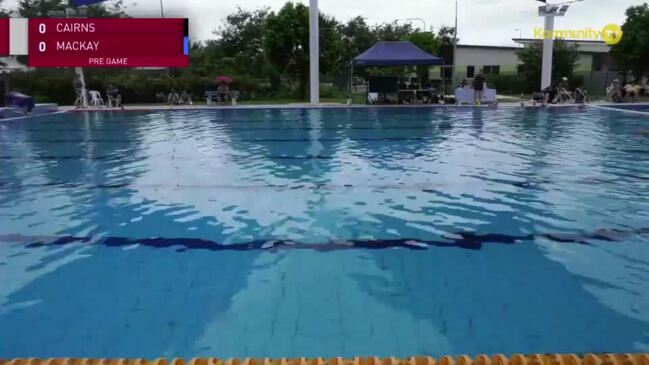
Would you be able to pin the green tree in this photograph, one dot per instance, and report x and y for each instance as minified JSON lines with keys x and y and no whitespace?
{"x":208,"y":59}
{"x":4,"y":12}
{"x":431,"y":42}
{"x":357,"y":37}
{"x":332,"y":57}
{"x":392,"y":31}
{"x":240,"y":39}
{"x":632,"y":52}
{"x":40,"y":8}
{"x":564,"y":61}
{"x":113,"y":9}
{"x":286,"y":43}
{"x":425,"y":40}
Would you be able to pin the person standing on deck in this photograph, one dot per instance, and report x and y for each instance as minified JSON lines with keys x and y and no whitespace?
{"x":478,"y":88}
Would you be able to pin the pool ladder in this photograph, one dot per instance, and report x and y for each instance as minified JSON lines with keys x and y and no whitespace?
{"x":545,"y":359}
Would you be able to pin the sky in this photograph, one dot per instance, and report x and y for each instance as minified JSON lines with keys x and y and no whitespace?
{"x":483,"y":22}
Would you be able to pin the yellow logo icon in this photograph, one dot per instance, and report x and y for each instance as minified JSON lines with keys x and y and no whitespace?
{"x":612,"y":34}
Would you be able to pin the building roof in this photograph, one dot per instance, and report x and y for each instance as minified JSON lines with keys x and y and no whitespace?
{"x":590,"y":46}
{"x":487,"y":46}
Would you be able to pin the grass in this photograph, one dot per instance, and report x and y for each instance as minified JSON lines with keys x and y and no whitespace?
{"x":289,"y":101}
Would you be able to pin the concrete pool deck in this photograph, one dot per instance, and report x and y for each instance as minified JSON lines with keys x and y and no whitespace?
{"x":144,"y":107}
{"x":161,"y":107}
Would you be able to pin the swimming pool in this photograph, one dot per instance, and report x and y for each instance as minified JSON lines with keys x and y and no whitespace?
{"x":324,"y":232}
{"x":638,"y":107}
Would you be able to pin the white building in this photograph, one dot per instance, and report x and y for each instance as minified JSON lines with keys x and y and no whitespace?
{"x":594,"y":65}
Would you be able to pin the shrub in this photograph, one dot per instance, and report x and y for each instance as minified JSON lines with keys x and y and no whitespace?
{"x":330,"y":91}
{"x":506,"y":84}
{"x":46,"y":85}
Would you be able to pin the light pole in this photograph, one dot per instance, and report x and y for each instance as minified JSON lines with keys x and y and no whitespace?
{"x":314,"y":52}
{"x":520,"y":36}
{"x":411,"y":19}
{"x":454,"y":78}
{"x":78,"y":71}
{"x":549,"y":12}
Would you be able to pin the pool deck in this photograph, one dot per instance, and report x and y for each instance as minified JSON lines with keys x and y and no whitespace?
{"x":160,"y":107}
{"x":136,"y":107}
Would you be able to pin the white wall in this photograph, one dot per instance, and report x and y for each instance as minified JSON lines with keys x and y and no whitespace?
{"x":486,"y":56}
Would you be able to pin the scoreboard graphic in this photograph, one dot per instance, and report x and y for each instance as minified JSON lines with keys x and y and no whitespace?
{"x":105,"y":42}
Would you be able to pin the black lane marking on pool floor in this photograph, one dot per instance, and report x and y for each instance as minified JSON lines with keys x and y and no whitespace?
{"x":229,"y":128}
{"x":52,"y":141}
{"x":423,"y":187}
{"x":464,"y":240}
{"x":63,"y":184}
{"x":75,"y":157}
{"x":232,"y":157}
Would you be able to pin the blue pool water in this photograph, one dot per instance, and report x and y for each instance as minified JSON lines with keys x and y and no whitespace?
{"x":643,"y":107}
{"x":324,"y":232}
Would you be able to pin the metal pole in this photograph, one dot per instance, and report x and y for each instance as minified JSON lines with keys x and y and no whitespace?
{"x":548,"y":44}
{"x":350,"y":97}
{"x":454,"y":78}
{"x":520,"y":37}
{"x":314,"y":52}
{"x":83,"y":94}
{"x":162,"y":15}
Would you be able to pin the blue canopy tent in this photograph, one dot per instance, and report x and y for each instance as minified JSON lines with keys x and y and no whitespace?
{"x":400,"y":53}
{"x":397,"y":53}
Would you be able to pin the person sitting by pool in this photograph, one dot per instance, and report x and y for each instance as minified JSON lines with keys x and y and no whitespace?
{"x":478,"y":88}
{"x":632,"y":91}
{"x":563,"y":84}
{"x":114,"y":97}
{"x":544,"y":97}
{"x":562,"y":93}
{"x":549,"y":95}
{"x":537,"y":97}
{"x":173,"y":98}
{"x":185,"y":98}
{"x":223,"y":92}
{"x":614,"y":91}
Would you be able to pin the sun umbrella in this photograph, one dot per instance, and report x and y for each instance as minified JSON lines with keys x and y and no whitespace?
{"x":224,"y":79}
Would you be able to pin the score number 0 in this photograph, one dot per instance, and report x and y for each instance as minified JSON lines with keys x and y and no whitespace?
{"x":41,"y":30}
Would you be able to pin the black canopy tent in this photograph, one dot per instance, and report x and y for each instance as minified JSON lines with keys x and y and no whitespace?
{"x":398,"y":53}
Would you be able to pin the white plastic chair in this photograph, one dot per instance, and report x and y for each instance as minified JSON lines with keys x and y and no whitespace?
{"x":95,"y":99}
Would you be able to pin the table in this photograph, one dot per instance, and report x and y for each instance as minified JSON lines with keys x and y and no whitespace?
{"x":467,"y":96}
